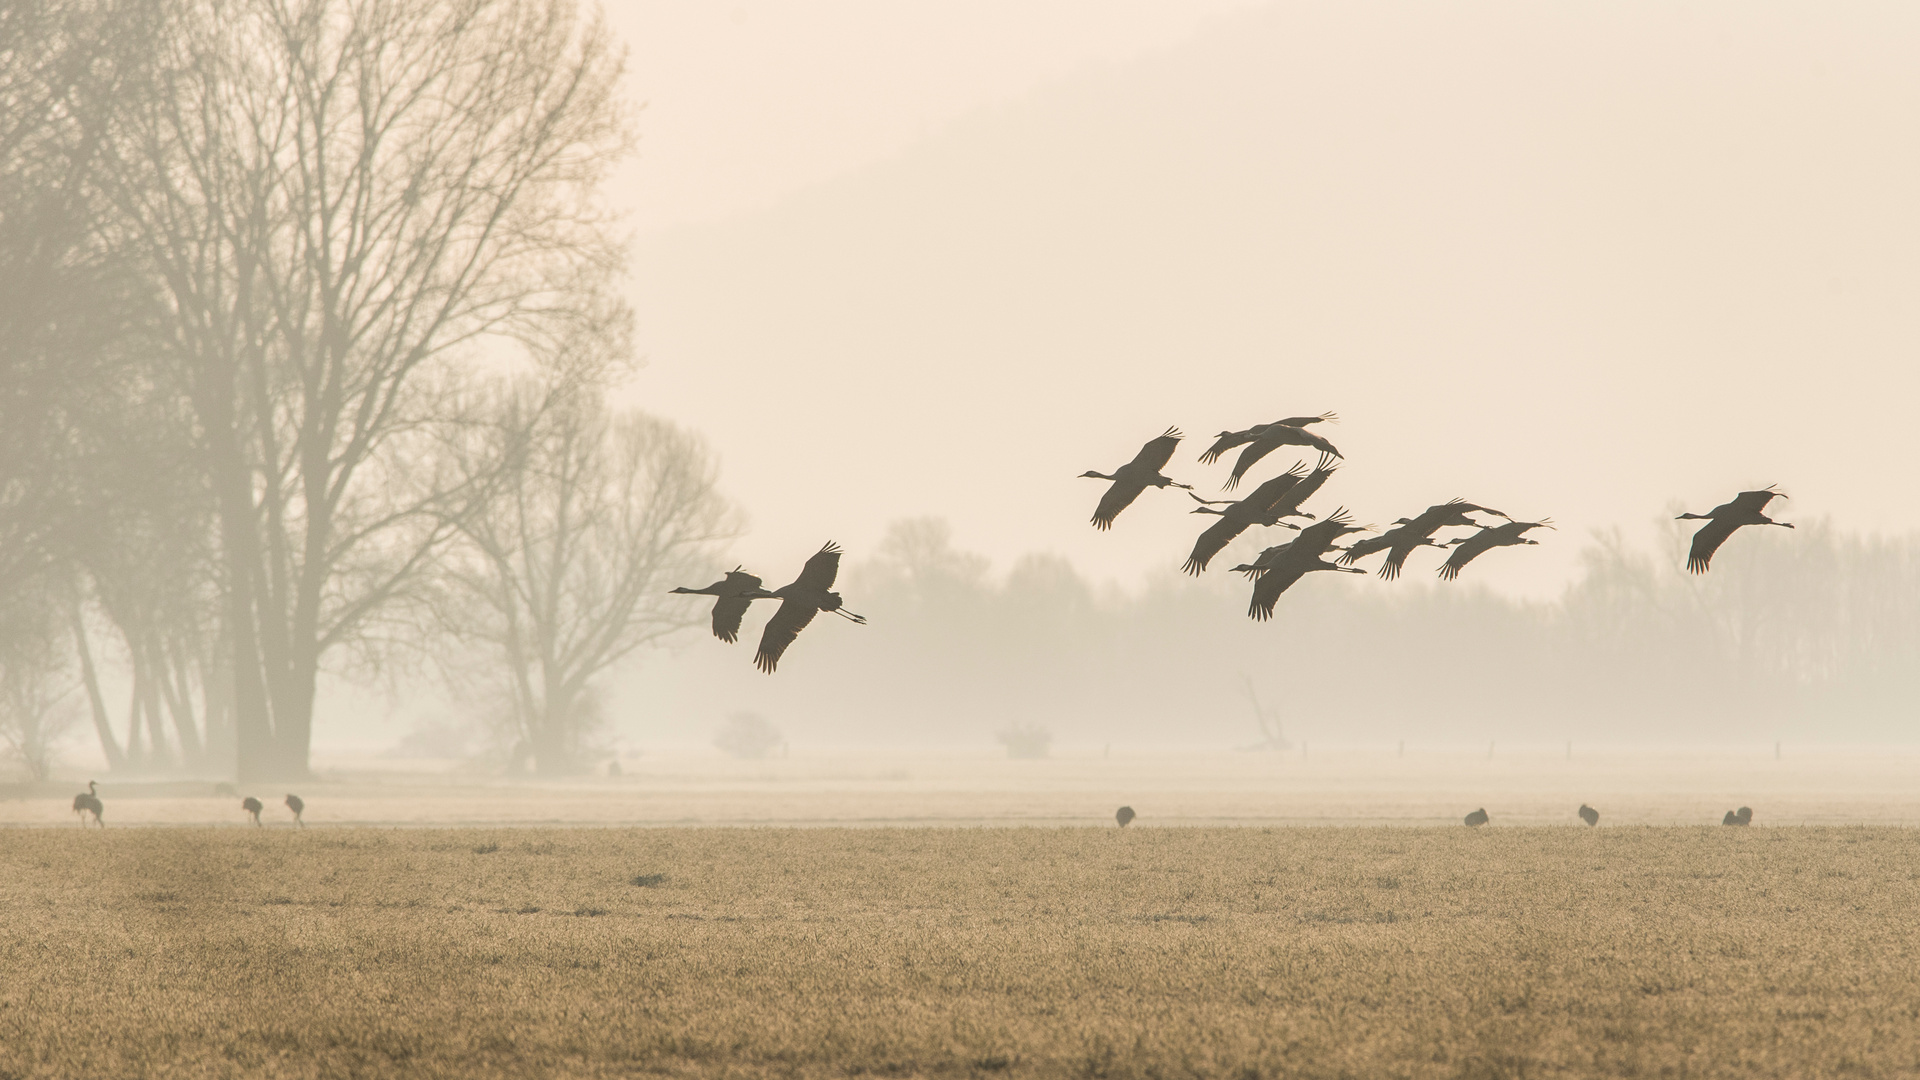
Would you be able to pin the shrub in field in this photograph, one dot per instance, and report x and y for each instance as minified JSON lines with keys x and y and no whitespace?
{"x":748,"y":736}
{"x":1025,"y":740}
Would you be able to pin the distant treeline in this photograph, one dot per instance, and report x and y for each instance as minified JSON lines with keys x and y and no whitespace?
{"x":1813,"y":633}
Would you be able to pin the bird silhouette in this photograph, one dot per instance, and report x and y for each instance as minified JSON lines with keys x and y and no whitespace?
{"x":1241,"y":515}
{"x":1451,"y":512}
{"x":1589,"y":815}
{"x":1486,"y":540}
{"x":735,"y":592}
{"x":1745,"y":814}
{"x":1123,"y":815}
{"x":1721,"y":521}
{"x":299,"y":806}
{"x":253,"y":807}
{"x":1314,"y":540}
{"x":1478,"y":818}
{"x":1273,"y":438}
{"x":1227,"y":440}
{"x":1278,"y":568}
{"x":802,"y":599}
{"x":1398,"y":543}
{"x":1136,"y":476}
{"x":88,"y":802}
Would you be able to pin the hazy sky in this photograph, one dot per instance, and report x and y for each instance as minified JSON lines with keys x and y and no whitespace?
{"x":1567,"y":260}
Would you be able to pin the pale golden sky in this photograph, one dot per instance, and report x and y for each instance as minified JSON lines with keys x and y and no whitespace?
{"x":1567,"y":260}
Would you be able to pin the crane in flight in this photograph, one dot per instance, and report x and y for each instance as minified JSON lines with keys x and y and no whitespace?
{"x":1227,"y":440}
{"x":802,"y":599}
{"x":1471,"y":548}
{"x":1273,"y":438}
{"x":1450,"y":513}
{"x":1314,"y":541}
{"x":735,"y":592}
{"x":1398,"y":543}
{"x":1136,"y":476}
{"x":1280,"y":576}
{"x":1747,"y":508}
{"x":1258,"y":508}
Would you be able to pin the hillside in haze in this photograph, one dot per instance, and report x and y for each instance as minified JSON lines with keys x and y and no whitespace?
{"x":1576,"y":262}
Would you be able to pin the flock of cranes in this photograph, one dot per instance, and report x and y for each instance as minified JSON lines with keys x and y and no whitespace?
{"x":88,"y":803}
{"x":1272,"y":572}
{"x":1277,"y":568}
{"x":806,"y":596}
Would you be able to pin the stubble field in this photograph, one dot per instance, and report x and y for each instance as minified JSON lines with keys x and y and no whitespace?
{"x":1537,"y":952}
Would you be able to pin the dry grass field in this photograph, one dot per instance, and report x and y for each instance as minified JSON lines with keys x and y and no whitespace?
{"x":1249,"y":952}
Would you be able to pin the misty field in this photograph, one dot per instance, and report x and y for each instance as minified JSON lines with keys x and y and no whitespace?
{"x":1780,"y":952}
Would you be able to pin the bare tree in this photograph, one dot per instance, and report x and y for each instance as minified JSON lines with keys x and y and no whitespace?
{"x":65,"y":304}
{"x":348,"y":202}
{"x":568,"y":570}
{"x":36,"y":681}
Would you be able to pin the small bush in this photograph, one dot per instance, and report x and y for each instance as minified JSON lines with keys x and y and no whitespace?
{"x":650,"y":881}
{"x":748,"y":736}
{"x":1025,"y":740}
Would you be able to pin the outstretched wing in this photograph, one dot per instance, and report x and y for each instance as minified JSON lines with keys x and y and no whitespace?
{"x":1465,"y":552}
{"x":1225,"y":443}
{"x":1360,"y":549}
{"x":786,"y":624}
{"x":1261,"y":448}
{"x":1303,"y":421}
{"x":1269,"y":495}
{"x":1217,"y":536}
{"x":1267,"y":590}
{"x":735,"y":590}
{"x":1396,"y":558}
{"x":1118,"y":498}
{"x":1289,"y":502}
{"x":1157,"y":452}
{"x":818,"y":574}
{"x":1707,"y":541}
{"x":727,"y":613}
{"x":1755,"y":501}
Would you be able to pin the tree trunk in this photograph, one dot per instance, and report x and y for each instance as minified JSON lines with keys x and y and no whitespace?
{"x":102,"y":726}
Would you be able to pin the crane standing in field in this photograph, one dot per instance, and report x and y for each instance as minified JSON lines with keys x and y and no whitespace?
{"x":253,"y":807}
{"x":299,"y":806}
{"x":807,"y":595}
{"x":1136,"y":476}
{"x":1227,"y":440}
{"x":1508,"y":535}
{"x":1721,"y":521}
{"x":88,"y":802}
{"x":735,"y":592}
